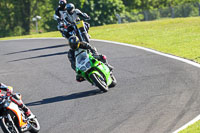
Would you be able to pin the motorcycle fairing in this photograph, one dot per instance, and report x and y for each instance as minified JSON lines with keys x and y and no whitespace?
{"x":14,"y":108}
{"x":106,"y":72}
{"x":82,"y":58}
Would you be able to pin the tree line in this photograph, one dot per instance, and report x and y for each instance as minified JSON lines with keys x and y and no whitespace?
{"x":16,"y":15}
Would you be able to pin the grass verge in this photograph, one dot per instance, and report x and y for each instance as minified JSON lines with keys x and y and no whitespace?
{"x":180,"y":37}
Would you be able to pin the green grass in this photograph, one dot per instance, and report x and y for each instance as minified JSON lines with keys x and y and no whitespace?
{"x":180,"y":37}
{"x":195,"y":128}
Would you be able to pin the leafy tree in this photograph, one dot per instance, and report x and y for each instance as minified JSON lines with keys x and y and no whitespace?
{"x":45,"y":9}
{"x":101,"y":11}
{"x":16,"y":15}
{"x":132,"y":4}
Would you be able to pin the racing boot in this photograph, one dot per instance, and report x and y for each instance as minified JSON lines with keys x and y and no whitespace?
{"x":79,"y":78}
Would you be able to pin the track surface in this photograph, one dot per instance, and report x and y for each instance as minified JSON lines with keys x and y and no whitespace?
{"x":154,"y":94}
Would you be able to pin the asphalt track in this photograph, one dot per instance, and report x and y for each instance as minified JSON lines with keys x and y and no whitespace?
{"x":155,"y":94}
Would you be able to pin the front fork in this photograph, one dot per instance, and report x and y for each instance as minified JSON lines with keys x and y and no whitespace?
{"x":80,"y":35}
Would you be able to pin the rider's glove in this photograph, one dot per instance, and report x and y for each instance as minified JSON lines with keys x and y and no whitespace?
{"x":88,"y":17}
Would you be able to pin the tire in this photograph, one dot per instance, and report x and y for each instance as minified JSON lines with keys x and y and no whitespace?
{"x":5,"y":128}
{"x":35,"y":126}
{"x":85,"y":37}
{"x":114,"y":82}
{"x":99,"y":82}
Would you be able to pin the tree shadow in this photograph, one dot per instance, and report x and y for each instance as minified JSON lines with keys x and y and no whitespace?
{"x":66,"y":97}
{"x":37,"y":49}
{"x":40,"y":56}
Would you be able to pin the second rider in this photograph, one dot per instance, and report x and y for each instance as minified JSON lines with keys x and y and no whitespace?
{"x":68,"y":13}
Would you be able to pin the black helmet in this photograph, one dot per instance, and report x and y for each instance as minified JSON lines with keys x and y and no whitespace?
{"x":74,"y":42}
{"x":70,"y":8}
{"x":62,"y":3}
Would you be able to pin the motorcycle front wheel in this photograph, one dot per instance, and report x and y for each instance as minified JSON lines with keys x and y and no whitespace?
{"x":7,"y":125}
{"x":99,"y":82}
{"x":35,"y":126}
{"x":114,"y":81}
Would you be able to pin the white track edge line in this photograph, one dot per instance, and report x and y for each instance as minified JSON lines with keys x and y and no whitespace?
{"x":188,"y":124}
{"x":145,"y":49}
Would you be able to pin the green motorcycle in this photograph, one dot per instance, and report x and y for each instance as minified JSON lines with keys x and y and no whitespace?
{"x":95,"y":71}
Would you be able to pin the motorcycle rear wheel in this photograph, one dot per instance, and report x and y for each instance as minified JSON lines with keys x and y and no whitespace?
{"x":99,"y":82}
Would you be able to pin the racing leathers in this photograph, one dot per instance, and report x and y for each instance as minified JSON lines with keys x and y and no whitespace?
{"x":62,"y":14}
{"x":16,"y":98}
{"x":85,"y":45}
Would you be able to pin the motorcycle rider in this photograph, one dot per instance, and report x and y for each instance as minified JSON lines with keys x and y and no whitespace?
{"x":68,"y":13}
{"x":16,"y":98}
{"x":74,"y":45}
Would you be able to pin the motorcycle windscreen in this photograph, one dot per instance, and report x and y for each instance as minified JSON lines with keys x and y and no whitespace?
{"x":83,"y":61}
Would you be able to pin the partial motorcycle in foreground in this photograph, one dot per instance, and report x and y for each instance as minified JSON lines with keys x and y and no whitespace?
{"x":13,"y":120}
{"x":95,"y":71}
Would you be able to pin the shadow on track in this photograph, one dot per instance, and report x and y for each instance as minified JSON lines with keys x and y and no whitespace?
{"x":37,"y":49}
{"x":40,"y":56}
{"x":65,"y":97}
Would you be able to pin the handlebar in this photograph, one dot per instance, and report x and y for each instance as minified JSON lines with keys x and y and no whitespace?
{"x":6,"y":96}
{"x":2,"y":101}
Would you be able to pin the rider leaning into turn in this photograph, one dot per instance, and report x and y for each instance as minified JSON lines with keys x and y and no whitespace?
{"x":68,"y":12}
{"x":16,"y":98}
{"x":74,"y":45}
